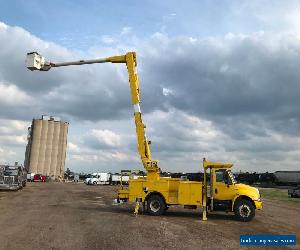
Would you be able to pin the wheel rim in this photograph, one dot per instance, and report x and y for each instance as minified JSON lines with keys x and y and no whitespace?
{"x":244,"y":210}
{"x":154,"y":206}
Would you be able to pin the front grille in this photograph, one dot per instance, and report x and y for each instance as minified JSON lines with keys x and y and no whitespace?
{"x":9,"y":180}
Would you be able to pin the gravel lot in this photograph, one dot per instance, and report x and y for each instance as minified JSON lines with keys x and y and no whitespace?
{"x":76,"y":216}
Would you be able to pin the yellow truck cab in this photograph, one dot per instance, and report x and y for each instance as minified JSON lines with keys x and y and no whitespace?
{"x":225,"y":194}
{"x":221,"y":193}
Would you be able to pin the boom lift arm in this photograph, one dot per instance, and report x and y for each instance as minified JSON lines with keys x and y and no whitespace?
{"x":36,"y":62}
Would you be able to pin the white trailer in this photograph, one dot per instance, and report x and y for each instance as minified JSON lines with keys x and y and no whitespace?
{"x":115,"y":179}
{"x":125,"y":179}
{"x":30,"y":177}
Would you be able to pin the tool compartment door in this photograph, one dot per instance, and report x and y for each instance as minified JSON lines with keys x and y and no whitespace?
{"x":190,"y":193}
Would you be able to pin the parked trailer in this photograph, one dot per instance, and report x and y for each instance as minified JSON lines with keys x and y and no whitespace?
{"x":287,"y":177}
{"x":30,"y":177}
{"x":117,"y":178}
{"x":294,"y":192}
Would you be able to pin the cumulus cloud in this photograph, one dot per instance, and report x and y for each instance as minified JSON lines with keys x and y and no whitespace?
{"x":67,"y":93}
{"x":12,"y":96}
{"x":223,"y":78}
{"x":104,"y":138}
{"x":6,"y":155}
{"x":73,"y":148}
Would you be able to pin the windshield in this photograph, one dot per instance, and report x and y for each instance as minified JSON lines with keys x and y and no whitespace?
{"x":232,"y":177}
{"x":10,"y":172}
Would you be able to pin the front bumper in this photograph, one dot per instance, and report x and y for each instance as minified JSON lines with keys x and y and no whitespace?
{"x":9,"y":187}
{"x":258,"y":204}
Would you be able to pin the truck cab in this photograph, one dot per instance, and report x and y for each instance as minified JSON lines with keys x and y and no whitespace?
{"x":12,"y":178}
{"x":227,"y":195}
{"x":100,"y":178}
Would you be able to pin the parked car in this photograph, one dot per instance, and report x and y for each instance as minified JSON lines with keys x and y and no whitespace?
{"x":294,"y":192}
{"x":39,"y":178}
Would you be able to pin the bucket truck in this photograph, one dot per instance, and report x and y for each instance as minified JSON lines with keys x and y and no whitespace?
{"x":156,"y":193}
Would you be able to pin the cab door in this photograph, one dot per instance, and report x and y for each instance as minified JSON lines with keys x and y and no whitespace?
{"x":223,"y":189}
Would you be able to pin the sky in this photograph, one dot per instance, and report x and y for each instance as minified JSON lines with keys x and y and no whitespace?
{"x":218,"y":79}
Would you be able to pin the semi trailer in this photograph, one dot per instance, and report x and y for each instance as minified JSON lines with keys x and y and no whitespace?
{"x":154,"y":192}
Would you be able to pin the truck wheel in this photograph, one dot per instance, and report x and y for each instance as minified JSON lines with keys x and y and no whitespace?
{"x":94,"y":183}
{"x":156,"y":205}
{"x":244,"y":210}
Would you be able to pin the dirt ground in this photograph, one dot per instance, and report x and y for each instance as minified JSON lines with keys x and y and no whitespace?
{"x":76,"y":216}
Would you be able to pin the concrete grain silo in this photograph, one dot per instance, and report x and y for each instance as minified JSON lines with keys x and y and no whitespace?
{"x":46,"y":149}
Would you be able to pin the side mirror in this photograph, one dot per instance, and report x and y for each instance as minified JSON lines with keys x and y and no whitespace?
{"x":227,"y":179}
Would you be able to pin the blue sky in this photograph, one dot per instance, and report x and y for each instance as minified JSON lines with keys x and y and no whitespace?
{"x":80,"y":24}
{"x":219,"y":79}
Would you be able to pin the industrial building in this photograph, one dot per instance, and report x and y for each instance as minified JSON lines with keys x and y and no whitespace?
{"x":46,"y":148}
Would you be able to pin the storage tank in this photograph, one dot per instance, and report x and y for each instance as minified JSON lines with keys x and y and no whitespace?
{"x":46,"y":149}
{"x":287,"y":177}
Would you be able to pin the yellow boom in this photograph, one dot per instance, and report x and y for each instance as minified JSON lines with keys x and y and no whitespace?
{"x":153,"y":171}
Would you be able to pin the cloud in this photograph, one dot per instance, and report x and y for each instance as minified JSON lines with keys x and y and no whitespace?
{"x":232,"y":98}
{"x":73,"y":148}
{"x":12,"y":140}
{"x":13,"y":127}
{"x":12,"y":96}
{"x":104,"y":138}
{"x":125,"y":30}
{"x":107,"y":39}
{"x":6,"y":155}
{"x":225,"y":78}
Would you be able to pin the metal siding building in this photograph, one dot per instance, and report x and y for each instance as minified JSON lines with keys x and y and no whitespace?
{"x":46,"y":149}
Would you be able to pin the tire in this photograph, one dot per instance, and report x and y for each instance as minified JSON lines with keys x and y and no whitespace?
{"x":244,"y":210}
{"x":95,"y":183}
{"x":156,"y":205}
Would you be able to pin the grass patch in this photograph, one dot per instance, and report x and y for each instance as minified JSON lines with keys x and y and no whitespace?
{"x":277,"y":194}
